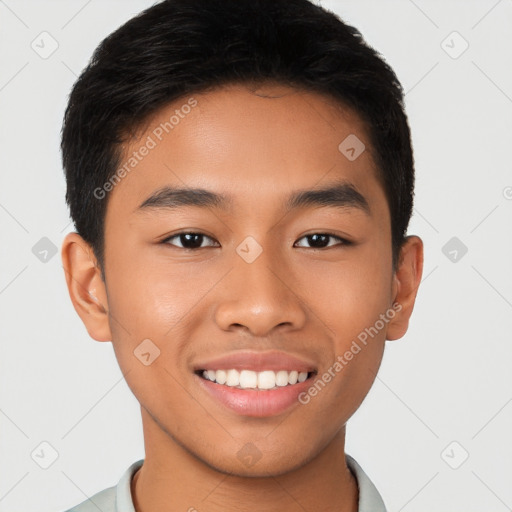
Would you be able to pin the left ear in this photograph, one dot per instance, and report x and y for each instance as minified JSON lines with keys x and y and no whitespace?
{"x":407,"y":279}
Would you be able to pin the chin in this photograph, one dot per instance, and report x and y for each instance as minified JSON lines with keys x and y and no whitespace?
{"x":249,"y":462}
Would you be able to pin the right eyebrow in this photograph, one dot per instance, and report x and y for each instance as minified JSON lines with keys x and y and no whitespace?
{"x":172,"y":197}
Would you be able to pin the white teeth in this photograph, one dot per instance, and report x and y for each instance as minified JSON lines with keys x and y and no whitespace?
{"x":219,"y":376}
{"x":292,"y":377}
{"x":266,"y":379}
{"x":233,"y":378}
{"x":248,"y":379}
{"x":282,"y":378}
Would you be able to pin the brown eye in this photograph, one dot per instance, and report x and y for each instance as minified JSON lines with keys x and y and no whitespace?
{"x":321,"y":240}
{"x":188,"y":240}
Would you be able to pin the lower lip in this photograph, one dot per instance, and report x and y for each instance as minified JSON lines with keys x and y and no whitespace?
{"x":254,"y":402}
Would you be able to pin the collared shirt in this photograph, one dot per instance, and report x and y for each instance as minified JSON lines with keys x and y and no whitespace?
{"x":119,"y":498}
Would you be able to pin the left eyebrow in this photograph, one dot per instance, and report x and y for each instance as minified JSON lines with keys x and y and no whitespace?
{"x":341,"y":195}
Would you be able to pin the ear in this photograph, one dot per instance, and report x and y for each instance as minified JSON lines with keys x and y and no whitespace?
{"x":405,"y":286}
{"x":86,"y":287}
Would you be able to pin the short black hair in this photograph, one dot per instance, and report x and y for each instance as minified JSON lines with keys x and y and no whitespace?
{"x":179,"y":47}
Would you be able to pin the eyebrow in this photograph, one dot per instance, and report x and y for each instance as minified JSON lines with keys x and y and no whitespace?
{"x":340,"y":195}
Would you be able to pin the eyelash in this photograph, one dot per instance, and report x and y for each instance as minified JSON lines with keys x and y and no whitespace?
{"x":344,"y":241}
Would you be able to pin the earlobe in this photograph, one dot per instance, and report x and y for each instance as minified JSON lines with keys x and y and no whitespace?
{"x":85,"y":286}
{"x":406,"y":282}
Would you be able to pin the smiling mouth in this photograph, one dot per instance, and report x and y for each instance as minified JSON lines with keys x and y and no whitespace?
{"x":248,"y":379}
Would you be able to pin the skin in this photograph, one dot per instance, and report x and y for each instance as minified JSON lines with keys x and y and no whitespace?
{"x":258,"y":146}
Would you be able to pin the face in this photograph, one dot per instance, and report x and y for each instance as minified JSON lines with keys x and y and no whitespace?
{"x":274,"y":266}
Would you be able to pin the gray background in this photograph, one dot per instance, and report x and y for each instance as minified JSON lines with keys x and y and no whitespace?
{"x":444,"y":391}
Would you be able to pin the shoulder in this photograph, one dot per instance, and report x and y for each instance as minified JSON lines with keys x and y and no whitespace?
{"x":113,"y":499}
{"x":370,"y":499}
{"x":104,"y":500}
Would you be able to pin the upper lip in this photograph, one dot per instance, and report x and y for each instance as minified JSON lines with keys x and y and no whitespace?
{"x":257,"y":361}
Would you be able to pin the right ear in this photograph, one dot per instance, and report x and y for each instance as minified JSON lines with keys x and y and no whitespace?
{"x":85,"y":286}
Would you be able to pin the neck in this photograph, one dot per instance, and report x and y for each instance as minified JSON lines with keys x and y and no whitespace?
{"x":172,"y":479}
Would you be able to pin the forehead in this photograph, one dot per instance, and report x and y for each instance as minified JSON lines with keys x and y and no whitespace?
{"x":257,"y":143}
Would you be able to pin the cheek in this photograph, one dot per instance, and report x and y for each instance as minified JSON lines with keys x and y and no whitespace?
{"x":349,"y":296}
{"x":351,"y":302}
{"x":159,"y":303}
{"x":358,"y":298}
{"x":154,"y":299}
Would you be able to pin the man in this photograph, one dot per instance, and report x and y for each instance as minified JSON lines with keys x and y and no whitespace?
{"x":240,"y":175}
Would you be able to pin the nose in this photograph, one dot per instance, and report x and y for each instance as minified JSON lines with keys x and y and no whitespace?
{"x":259,"y":297}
